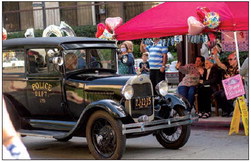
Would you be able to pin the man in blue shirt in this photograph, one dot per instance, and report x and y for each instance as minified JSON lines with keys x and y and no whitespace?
{"x":157,"y":60}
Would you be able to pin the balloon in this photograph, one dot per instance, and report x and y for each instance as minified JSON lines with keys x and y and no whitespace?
{"x":194,"y":26}
{"x":52,"y":29}
{"x":100,"y":29}
{"x":212,"y":20}
{"x":113,"y":22}
{"x":65,"y":28}
{"x":201,"y":12}
{"x":106,"y":35}
{"x":29,"y":33}
{"x":4,"y":34}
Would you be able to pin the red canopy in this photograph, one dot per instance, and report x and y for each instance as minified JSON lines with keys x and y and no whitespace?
{"x":170,"y":18}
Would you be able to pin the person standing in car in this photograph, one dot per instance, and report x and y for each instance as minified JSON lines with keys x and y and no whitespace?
{"x":126,"y":59}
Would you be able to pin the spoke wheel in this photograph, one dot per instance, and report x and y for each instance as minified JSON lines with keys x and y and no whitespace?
{"x":104,"y":136}
{"x":175,"y":137}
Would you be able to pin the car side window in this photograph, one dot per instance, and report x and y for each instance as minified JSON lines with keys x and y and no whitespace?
{"x":38,"y":62}
{"x":13,"y":61}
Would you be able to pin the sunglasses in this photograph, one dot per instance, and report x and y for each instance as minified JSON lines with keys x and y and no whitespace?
{"x":231,"y":59}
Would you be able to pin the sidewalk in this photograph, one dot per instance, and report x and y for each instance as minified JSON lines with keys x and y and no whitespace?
{"x":216,"y":122}
{"x":213,"y":122}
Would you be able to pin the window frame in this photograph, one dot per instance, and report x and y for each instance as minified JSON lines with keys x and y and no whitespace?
{"x":46,"y":74}
{"x":24,"y":59}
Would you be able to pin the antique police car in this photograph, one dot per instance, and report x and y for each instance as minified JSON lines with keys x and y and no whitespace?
{"x":62,"y":87}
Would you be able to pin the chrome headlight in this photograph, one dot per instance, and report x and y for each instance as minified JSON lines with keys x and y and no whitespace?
{"x":128,"y":92}
{"x":162,"y":88}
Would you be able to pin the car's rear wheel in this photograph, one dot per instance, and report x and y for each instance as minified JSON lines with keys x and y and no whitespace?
{"x":104,"y":136}
{"x":175,"y":137}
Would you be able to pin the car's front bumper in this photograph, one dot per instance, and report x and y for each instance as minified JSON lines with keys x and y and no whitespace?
{"x":158,"y":124}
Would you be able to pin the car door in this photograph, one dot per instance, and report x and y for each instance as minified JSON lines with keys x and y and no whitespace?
{"x":44,"y":86}
{"x":14,"y":81}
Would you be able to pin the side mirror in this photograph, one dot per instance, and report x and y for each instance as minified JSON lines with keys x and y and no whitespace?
{"x":124,"y":59}
{"x":57,"y":60}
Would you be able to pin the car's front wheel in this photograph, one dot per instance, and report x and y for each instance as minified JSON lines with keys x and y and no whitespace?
{"x":175,"y":137}
{"x":104,"y":136}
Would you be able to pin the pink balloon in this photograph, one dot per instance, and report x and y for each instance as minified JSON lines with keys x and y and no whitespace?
{"x":113,"y":22}
{"x":194,"y":26}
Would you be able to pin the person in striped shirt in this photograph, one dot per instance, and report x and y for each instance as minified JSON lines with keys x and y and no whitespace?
{"x":157,"y":60}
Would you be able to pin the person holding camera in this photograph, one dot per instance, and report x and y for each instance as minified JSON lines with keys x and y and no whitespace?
{"x":126,"y":59}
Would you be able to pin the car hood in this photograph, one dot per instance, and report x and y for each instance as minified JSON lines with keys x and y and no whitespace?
{"x":114,"y":84}
{"x":116,"y":80}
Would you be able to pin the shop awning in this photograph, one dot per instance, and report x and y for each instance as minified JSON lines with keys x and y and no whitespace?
{"x":170,"y":18}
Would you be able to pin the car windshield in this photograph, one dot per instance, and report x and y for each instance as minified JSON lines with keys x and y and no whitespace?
{"x":90,"y":59}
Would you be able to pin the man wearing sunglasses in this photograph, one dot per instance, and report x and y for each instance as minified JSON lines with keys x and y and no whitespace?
{"x":229,"y":70}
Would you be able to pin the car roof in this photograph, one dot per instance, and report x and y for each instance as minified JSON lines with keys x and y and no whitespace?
{"x":49,"y":41}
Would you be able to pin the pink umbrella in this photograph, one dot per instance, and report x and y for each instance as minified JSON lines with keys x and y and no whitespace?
{"x":170,"y":18}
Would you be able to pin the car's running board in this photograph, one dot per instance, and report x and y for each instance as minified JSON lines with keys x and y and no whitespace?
{"x":41,"y":133}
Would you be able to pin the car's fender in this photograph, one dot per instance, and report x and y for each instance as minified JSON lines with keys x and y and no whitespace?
{"x":113,"y":108}
{"x":164,"y":104}
{"x":175,"y":99}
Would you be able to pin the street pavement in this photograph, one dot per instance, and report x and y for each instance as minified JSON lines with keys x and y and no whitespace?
{"x":209,"y":140}
{"x":203,"y":144}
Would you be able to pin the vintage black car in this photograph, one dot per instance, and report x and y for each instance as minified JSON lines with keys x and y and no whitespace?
{"x":62,"y":87}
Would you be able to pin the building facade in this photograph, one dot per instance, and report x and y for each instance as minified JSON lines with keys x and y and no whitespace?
{"x":21,"y":15}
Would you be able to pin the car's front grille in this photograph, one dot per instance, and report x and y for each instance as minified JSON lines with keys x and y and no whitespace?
{"x":142,"y":90}
{"x":142,"y":101}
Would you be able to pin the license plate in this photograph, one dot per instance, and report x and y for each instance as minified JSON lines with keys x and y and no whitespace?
{"x":143,"y":102}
